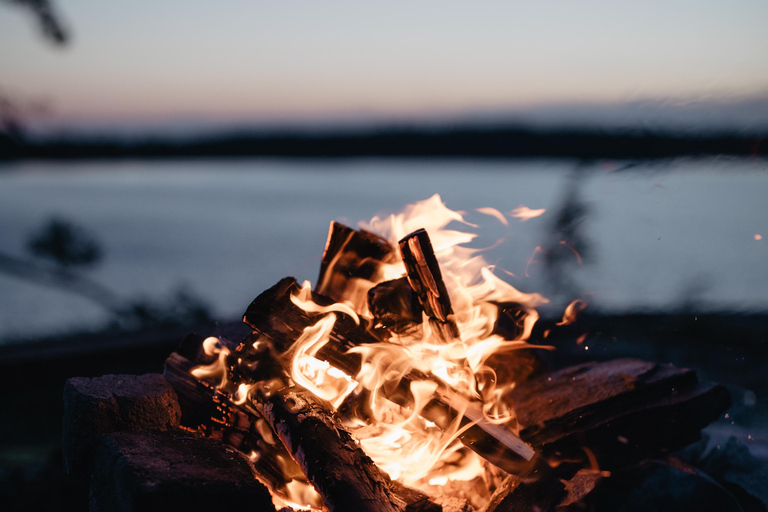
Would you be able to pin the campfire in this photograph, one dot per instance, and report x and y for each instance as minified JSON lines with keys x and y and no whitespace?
{"x":410,"y":377}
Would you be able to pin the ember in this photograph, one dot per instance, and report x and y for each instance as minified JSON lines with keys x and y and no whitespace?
{"x":407,"y":378}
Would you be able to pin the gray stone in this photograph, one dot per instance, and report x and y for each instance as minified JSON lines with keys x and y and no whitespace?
{"x":98,"y":406}
{"x":173,"y":470}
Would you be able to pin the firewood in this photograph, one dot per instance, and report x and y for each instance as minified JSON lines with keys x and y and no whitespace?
{"x":611,"y":414}
{"x":332,"y":460}
{"x":210,"y":412}
{"x":274,"y":316}
{"x":621,"y":410}
{"x":395,"y":306}
{"x":350,"y":254}
{"x":426,"y":280}
{"x":308,"y":441}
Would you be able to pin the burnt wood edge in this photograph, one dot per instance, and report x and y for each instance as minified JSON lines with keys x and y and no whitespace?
{"x":210,"y":412}
{"x":659,"y":427}
{"x":426,"y":280}
{"x":348,"y":254}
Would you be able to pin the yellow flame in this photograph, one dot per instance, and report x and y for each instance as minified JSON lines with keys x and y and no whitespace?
{"x":524,"y":213}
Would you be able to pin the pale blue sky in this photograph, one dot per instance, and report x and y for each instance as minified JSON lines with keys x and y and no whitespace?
{"x":253,"y":60}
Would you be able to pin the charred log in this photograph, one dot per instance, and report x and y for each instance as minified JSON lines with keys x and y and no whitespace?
{"x":350,"y":255}
{"x":333,"y":462}
{"x":427,"y":282}
{"x":294,"y":433}
{"x":395,"y":306}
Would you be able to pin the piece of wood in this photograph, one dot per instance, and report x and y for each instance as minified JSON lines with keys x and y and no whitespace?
{"x":210,"y":412}
{"x":426,"y":280}
{"x":622,"y":410}
{"x":274,"y":316}
{"x":332,"y":460}
{"x":351,"y":255}
{"x":395,"y":306}
{"x":294,"y":433}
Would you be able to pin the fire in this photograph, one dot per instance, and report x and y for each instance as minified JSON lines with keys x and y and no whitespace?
{"x":524,"y":213}
{"x":412,"y":446}
{"x":407,"y":446}
{"x":572,"y":311}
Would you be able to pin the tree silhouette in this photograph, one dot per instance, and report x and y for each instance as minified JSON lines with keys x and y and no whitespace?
{"x":65,"y":244}
{"x":48,"y":20}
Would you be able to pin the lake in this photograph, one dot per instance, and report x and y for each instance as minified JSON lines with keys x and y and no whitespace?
{"x":671,"y":234}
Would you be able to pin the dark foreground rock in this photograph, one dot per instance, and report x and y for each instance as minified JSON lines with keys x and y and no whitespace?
{"x":173,"y":470}
{"x":98,"y":406}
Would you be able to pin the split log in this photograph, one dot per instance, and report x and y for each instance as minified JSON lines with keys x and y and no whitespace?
{"x":621,"y":410}
{"x":611,"y":414}
{"x":274,"y":316}
{"x":426,"y":280}
{"x":332,"y":460}
{"x":351,"y":255}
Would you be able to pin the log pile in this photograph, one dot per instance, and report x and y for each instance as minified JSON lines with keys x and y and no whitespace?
{"x":575,"y":425}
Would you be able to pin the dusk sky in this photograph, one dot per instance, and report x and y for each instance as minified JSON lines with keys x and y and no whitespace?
{"x":264,"y":61}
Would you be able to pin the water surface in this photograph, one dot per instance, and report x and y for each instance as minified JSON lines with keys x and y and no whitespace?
{"x":658,"y":235}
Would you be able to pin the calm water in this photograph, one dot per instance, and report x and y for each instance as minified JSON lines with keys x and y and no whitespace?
{"x":657,"y":235}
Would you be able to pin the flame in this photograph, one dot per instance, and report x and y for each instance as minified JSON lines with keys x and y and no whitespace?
{"x":572,"y":310}
{"x":408,"y":447}
{"x":493,"y":212}
{"x":524,"y":213}
{"x":417,"y":451}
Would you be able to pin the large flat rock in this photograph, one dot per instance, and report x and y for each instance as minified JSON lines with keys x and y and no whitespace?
{"x":98,"y":406}
{"x":173,"y":470}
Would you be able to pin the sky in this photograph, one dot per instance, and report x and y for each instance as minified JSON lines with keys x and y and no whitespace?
{"x":254,"y":61}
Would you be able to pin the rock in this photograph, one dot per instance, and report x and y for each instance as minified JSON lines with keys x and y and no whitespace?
{"x":148,"y":471}
{"x":98,"y":406}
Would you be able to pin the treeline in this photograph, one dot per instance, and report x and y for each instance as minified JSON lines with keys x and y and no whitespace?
{"x":499,"y":142}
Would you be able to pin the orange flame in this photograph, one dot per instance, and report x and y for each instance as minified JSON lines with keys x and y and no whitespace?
{"x":572,"y":311}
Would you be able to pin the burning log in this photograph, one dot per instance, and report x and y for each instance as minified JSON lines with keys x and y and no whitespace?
{"x":312,"y":443}
{"x":274,"y":316}
{"x":338,"y":468}
{"x":209,"y":411}
{"x":350,"y":255}
{"x":394,"y":306}
{"x":426,"y":280}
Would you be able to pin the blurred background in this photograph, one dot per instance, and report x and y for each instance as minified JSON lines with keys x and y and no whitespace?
{"x":162,"y":163}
